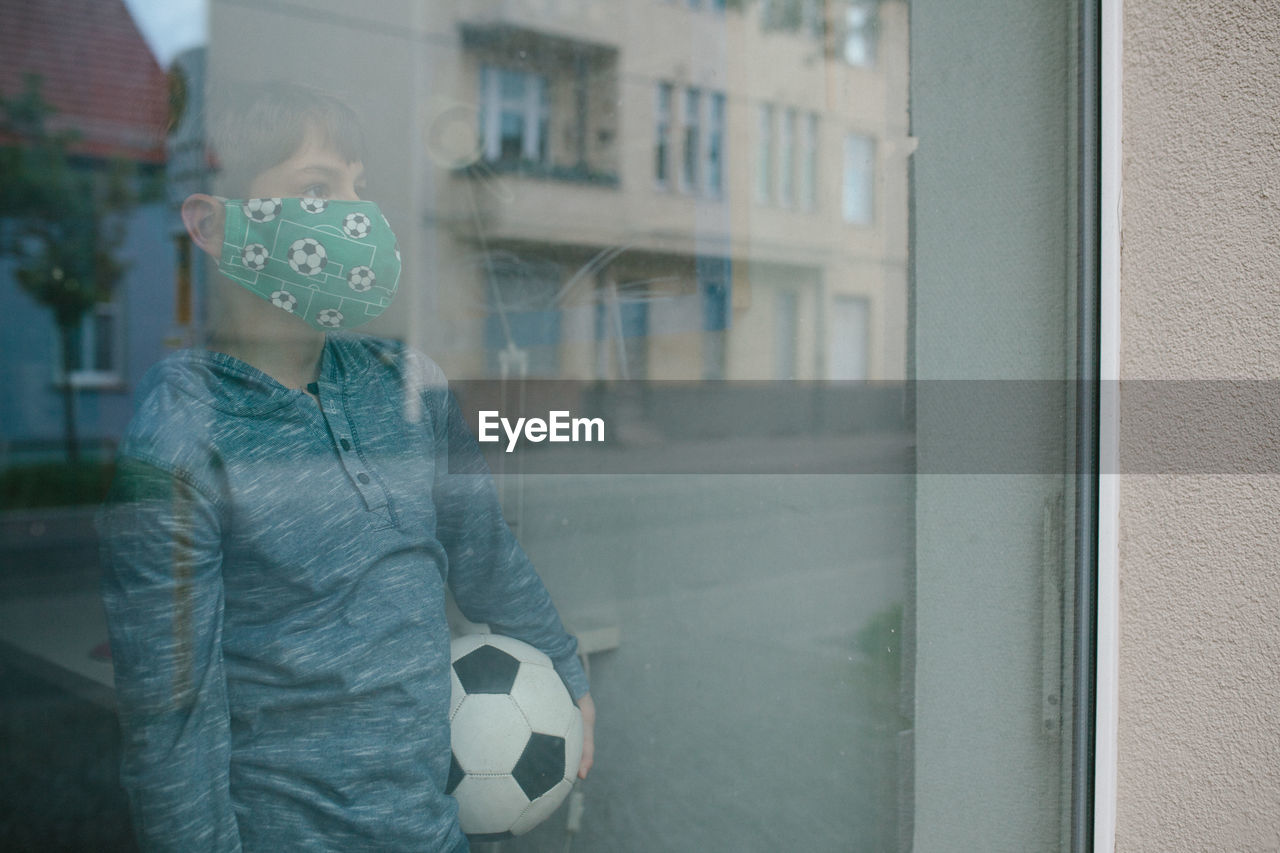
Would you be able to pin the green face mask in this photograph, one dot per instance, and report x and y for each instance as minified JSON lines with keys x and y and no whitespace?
{"x":335,"y":264}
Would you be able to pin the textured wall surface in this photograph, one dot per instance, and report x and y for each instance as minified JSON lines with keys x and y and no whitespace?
{"x":1200,"y":554}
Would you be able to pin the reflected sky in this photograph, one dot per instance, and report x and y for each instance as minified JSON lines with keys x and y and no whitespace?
{"x":171,"y":26}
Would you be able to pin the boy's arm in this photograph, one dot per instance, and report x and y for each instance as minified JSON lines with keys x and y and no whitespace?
{"x":162,"y":587}
{"x":492,"y":579}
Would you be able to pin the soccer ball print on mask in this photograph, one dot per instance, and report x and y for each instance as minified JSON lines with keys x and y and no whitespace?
{"x":335,"y":264}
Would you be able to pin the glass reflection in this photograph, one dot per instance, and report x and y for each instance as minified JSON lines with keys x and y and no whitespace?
{"x":669,"y":214}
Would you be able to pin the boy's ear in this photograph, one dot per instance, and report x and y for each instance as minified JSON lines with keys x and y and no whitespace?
{"x":205,"y":220}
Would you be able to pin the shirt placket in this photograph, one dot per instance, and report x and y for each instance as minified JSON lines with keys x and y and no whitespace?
{"x":333,"y":408}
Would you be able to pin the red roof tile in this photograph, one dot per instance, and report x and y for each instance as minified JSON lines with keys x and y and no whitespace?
{"x":98,"y":72}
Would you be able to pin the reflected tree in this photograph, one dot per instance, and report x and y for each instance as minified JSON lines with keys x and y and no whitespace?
{"x":63,"y":222}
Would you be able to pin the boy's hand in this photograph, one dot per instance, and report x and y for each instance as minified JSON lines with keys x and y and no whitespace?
{"x":588,"y":709}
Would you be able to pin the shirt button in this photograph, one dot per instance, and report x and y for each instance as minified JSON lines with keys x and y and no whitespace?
{"x":363,"y":477}
{"x":346,"y":445}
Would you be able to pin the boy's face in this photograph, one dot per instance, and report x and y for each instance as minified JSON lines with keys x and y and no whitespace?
{"x":315,"y":170}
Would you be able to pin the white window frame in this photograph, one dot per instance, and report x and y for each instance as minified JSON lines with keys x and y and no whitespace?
{"x":1107,"y":639}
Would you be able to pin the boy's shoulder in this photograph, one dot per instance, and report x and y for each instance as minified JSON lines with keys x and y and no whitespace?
{"x":408,"y":367}
{"x":181,"y":405}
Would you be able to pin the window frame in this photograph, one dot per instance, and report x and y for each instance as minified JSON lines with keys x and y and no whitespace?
{"x":89,"y":378}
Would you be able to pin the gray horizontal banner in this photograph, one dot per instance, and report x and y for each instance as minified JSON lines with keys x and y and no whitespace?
{"x":920,"y":427}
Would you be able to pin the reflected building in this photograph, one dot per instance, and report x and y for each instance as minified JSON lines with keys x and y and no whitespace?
{"x":104,"y":91}
{"x":647,"y":190}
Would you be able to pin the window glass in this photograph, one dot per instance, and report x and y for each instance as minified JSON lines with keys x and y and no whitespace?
{"x":787,"y":158}
{"x":692,"y":139}
{"x":860,"y":33}
{"x":716,"y":145}
{"x":809,"y":162}
{"x":722,"y":352}
{"x":859,"y":179}
{"x":662,"y":133}
{"x":764,"y":153}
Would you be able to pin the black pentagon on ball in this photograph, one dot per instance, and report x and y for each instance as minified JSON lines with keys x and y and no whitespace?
{"x":456,"y":774}
{"x":541,"y":765}
{"x":486,"y":670}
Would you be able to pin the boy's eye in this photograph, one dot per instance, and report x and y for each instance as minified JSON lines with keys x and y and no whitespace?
{"x":316,"y":191}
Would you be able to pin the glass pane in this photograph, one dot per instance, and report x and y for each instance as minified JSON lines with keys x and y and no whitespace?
{"x":719,"y":352}
{"x":859,"y":179}
{"x":103,"y":341}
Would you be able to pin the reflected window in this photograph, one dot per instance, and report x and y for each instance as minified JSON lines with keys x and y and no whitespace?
{"x":860,"y":34}
{"x":692,"y":139}
{"x":662,"y":136}
{"x":715,"y":145}
{"x":764,"y":154}
{"x":787,"y":159}
{"x":809,"y":162}
{"x":859,"y":179}
{"x":514,"y":114}
{"x":96,"y":351}
{"x":850,"y":323}
{"x":523,"y":331}
{"x":786,"y":323}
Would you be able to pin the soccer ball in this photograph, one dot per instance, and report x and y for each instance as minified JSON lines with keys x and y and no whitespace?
{"x":255,"y":257}
{"x":262,"y":209}
{"x":314,"y":205}
{"x":357,"y":225}
{"x":307,"y":256}
{"x":329,"y":317}
{"x":361,"y":279}
{"x":284,"y":301}
{"x":517,"y":736}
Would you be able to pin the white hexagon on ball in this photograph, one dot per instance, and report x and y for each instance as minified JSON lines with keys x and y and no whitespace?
{"x":489,"y":801}
{"x":489,"y":733}
{"x":536,"y":693}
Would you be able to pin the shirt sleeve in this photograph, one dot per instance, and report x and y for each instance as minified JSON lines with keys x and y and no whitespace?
{"x":162,"y":588}
{"x":492,"y":579}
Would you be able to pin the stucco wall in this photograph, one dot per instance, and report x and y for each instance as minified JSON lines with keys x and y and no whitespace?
{"x":1199,"y":740}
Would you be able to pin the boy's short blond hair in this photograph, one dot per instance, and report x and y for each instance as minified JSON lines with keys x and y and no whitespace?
{"x":259,"y":126}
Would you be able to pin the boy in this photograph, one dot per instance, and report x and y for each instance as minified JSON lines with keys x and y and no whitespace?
{"x":289,"y":507}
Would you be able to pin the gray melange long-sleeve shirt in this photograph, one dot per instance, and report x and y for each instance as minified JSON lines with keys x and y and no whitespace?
{"x":274,"y":578}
